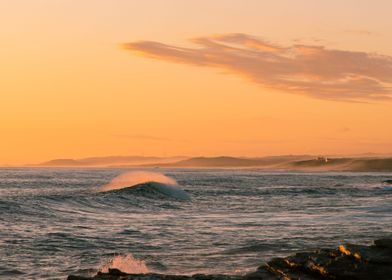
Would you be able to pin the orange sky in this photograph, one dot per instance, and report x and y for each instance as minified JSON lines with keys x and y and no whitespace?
{"x":96,"y":78}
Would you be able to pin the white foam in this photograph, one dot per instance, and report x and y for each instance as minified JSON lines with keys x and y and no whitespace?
{"x":125,"y":263}
{"x":149,"y":181}
{"x":133,"y":178}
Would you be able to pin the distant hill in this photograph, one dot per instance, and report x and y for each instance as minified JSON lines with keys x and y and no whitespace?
{"x":371,"y":165}
{"x":60,"y":162}
{"x":322,"y":163}
{"x":225,"y":161}
{"x":291,"y":163}
{"x":286,"y":162}
{"x":344,"y":164}
{"x":110,"y":161}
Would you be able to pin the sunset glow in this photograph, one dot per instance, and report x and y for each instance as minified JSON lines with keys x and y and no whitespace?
{"x":195,"y":78}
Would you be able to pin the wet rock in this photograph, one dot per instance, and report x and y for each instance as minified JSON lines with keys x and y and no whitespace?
{"x":384,"y":243}
{"x":115,"y":274}
{"x":347,"y":262}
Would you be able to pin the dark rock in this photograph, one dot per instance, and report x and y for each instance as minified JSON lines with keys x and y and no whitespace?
{"x":73,"y":277}
{"x":348,"y":262}
{"x":388,"y":181}
{"x":116,"y":272}
{"x":384,"y":243}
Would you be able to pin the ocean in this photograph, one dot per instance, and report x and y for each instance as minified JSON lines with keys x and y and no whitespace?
{"x":56,"y":222}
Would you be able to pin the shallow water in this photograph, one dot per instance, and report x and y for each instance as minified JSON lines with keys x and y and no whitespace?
{"x":53,"y":222}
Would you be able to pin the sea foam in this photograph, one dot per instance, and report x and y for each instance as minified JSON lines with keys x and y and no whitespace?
{"x":148,"y":183}
{"x":125,"y":263}
{"x":134,"y":178}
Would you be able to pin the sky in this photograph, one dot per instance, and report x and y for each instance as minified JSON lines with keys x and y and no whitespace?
{"x":197,"y":78}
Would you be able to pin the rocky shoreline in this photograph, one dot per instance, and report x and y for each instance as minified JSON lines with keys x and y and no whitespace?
{"x":348,"y":262}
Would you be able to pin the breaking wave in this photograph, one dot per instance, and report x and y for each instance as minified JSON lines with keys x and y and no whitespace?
{"x":133,"y":178}
{"x":125,"y":263}
{"x":150,"y":184}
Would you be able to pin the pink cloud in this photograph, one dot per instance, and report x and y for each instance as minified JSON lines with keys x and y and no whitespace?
{"x":310,"y":70}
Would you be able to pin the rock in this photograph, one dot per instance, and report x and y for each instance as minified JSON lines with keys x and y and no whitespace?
{"x":115,"y":274}
{"x":388,"y":181}
{"x":72,"y":277}
{"x":349,"y":261}
{"x":346,"y":262}
{"x":384,"y":243}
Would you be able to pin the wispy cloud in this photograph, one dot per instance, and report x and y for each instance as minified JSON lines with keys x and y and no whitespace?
{"x":310,"y":70}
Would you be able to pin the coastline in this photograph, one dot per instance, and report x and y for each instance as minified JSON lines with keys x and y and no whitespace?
{"x":348,"y":261}
{"x":288,"y":163}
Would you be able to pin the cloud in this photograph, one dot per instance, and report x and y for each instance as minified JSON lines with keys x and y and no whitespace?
{"x":310,"y":70}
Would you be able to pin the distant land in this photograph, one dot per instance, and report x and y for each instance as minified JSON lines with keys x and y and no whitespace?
{"x":363,"y":163}
{"x":110,"y":161}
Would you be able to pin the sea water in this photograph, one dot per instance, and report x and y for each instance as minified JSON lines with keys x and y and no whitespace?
{"x":56,"y":222}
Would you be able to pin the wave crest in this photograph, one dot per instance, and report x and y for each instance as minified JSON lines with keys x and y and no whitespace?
{"x":125,"y":263}
{"x":149,"y":184}
{"x":157,"y":190}
{"x":133,"y":178}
